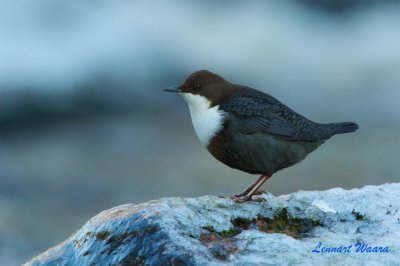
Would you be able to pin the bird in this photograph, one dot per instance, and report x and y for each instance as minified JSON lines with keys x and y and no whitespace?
{"x":249,"y":130}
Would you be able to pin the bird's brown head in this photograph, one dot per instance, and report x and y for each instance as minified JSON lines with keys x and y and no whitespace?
{"x":206,"y":84}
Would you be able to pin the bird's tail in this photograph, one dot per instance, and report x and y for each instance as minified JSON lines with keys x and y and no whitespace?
{"x":344,"y":127}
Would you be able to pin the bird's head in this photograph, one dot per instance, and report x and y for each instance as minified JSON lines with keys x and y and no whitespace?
{"x":203,"y":88}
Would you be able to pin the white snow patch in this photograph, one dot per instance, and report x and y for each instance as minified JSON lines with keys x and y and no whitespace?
{"x":323,"y":206}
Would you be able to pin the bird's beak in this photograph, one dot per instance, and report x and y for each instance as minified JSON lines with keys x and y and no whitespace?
{"x":176,"y":89}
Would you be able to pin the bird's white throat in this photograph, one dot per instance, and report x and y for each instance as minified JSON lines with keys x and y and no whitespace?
{"x":207,"y":122}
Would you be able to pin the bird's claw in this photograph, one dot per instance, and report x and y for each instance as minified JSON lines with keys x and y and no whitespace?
{"x":260,"y":192}
{"x":240,"y":199}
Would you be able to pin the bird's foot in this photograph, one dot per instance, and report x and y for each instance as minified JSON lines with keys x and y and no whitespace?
{"x":243,"y":198}
{"x":258,"y":192}
{"x":239,"y":199}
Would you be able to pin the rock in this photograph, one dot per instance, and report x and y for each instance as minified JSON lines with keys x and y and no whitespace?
{"x":351,"y":226}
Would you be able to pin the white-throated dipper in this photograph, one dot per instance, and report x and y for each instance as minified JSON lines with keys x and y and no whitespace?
{"x":250,"y":130}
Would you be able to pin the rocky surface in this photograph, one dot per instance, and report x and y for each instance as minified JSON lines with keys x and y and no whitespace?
{"x":354,"y":226}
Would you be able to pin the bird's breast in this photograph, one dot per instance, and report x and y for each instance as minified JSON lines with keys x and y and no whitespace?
{"x":207,"y":121}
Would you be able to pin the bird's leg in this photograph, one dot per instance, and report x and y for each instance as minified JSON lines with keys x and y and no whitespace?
{"x":247,"y":190}
{"x":254,"y":187}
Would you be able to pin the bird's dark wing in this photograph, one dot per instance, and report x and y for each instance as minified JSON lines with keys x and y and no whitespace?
{"x":262,"y":115}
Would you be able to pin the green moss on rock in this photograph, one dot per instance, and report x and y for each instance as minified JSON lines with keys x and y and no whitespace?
{"x":102,"y":235}
{"x":357,"y":215}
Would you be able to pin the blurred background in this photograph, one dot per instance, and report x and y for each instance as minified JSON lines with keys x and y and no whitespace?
{"x":84,"y":125}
